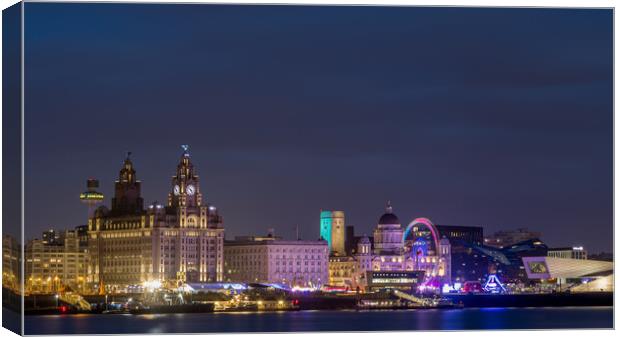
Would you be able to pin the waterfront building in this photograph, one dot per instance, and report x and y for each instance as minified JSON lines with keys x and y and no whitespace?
{"x":363,"y":259}
{"x":189,"y":234}
{"x":119,"y":239}
{"x":425,"y":250}
{"x":57,"y":265}
{"x":464,"y":264}
{"x":390,"y":252}
{"x":176,"y":243}
{"x":269,"y":237}
{"x":388,"y":235}
{"x":578,"y":253}
{"x":574,"y":275}
{"x":11,"y":252}
{"x":51,"y":237}
{"x":460,"y":235}
{"x":480,"y":261}
{"x":342,"y":270}
{"x":293,"y":263}
{"x":332,"y":230}
{"x":351,"y":271}
{"x":506,"y":238}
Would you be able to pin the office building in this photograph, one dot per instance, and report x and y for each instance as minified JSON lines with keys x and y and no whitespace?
{"x":578,"y":253}
{"x":120,"y":239}
{"x":179,"y":242}
{"x":459,"y":235}
{"x":189,"y":234}
{"x":292,"y":263}
{"x":11,"y":252}
{"x":570,"y":274}
{"x":58,"y":265}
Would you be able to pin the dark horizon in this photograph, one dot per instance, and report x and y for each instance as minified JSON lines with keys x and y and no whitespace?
{"x":500,"y":118}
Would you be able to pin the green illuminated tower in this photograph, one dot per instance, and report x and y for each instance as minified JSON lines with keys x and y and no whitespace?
{"x":332,"y":231}
{"x":326,"y":227}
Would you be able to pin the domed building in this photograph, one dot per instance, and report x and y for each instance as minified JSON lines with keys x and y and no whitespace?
{"x":389,"y":248}
{"x":385,"y":253}
{"x":385,"y":261}
{"x":388,"y":234}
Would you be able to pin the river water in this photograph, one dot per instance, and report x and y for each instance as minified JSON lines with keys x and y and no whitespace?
{"x":344,"y":320}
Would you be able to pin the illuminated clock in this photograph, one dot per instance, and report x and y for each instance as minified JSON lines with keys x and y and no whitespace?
{"x":177,"y":190}
{"x":190,"y":189}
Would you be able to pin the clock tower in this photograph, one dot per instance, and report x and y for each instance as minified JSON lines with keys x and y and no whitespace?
{"x":190,"y":235}
{"x":185,"y":184}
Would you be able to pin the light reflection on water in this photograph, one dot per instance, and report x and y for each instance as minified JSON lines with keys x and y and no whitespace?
{"x":345,"y":320}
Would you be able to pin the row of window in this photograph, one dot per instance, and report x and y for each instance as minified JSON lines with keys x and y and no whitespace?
{"x":277,"y":257}
{"x":245,"y":250}
{"x":305,"y":270}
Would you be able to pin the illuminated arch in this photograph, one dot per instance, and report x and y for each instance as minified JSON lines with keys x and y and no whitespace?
{"x":428,"y":224}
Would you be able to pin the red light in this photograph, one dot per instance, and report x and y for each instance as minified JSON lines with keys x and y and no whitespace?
{"x":63,"y":309}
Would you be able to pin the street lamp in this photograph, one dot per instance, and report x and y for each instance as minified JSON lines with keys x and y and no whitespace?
{"x":56,"y":296}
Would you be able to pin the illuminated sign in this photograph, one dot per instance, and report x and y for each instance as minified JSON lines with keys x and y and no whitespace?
{"x":493,"y":285}
{"x":91,"y":196}
{"x":537,"y":267}
{"x":395,"y":278}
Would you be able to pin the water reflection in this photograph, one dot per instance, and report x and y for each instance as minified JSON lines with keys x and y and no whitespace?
{"x":346,"y":320}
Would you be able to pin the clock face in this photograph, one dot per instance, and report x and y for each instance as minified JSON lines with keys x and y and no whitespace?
{"x":190,"y":189}
{"x":177,"y":190}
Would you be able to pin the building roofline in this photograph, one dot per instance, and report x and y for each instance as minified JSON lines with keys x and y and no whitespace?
{"x":275,"y":242}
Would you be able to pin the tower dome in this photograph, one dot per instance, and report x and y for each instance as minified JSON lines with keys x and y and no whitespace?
{"x":364,"y":240}
{"x":364,"y":246}
{"x":388,"y":235}
{"x":389,"y":218}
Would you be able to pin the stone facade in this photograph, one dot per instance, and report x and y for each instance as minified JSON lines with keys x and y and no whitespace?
{"x":293,"y":263}
{"x":389,"y":254}
{"x":59,"y":265}
{"x":176,"y":243}
{"x":120,"y":239}
{"x":190,"y":235}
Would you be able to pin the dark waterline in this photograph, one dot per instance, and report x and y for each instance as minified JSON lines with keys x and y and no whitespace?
{"x":464,"y":319}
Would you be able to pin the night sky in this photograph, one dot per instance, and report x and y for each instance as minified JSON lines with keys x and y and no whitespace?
{"x":499,"y":118}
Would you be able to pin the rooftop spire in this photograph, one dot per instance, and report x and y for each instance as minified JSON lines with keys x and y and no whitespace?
{"x":388,"y":207}
{"x":127,"y":173}
{"x":185,"y":150}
